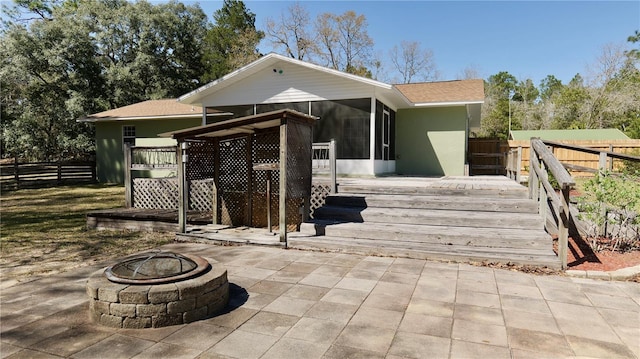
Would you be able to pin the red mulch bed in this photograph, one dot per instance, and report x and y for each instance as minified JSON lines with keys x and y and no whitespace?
{"x":581,"y":257}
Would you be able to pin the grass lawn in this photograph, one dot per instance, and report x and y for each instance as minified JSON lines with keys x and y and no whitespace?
{"x":44,"y":230}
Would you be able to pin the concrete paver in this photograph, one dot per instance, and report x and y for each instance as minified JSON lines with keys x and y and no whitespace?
{"x":296,"y":304}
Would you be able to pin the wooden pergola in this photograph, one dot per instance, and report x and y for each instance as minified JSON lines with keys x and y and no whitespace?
{"x":239,"y":155}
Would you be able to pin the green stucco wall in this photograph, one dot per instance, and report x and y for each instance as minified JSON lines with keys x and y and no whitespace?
{"x":109,"y":150}
{"x":431,"y":141}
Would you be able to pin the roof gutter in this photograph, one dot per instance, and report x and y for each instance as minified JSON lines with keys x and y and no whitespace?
{"x":133,"y":118}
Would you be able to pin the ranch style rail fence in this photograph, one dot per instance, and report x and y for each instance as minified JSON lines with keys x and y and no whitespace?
{"x":542,"y":161}
{"x":18,"y":175}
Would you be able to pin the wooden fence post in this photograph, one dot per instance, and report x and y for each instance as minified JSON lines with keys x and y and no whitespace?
{"x":94,"y":171}
{"x":16,"y":171}
{"x":519,"y":164}
{"x":59,"y":172}
{"x":602,"y":167}
{"x":611,"y":160}
{"x":128,"y":180}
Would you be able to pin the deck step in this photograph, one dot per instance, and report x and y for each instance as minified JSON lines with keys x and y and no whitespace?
{"x":430,"y":217}
{"x":445,"y":235}
{"x":460,"y":253}
{"x":459,"y":191}
{"x":422,"y":201}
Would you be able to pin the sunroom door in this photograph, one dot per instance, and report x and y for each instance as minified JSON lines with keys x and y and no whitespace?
{"x":386,"y":134}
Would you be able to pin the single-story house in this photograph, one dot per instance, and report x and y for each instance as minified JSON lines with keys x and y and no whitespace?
{"x":410,"y":129}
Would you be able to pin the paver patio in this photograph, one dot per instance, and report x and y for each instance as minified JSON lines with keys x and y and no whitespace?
{"x":298,"y":304}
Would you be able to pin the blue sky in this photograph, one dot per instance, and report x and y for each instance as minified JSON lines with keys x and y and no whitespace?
{"x":529,"y":39}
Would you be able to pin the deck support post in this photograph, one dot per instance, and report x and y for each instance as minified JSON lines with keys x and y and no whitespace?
{"x":563,"y":227}
{"x":332,"y":165}
{"x":533,"y":178}
{"x":128,"y":180}
{"x":283,"y":183}
{"x":183,"y":190}
{"x":216,"y":177}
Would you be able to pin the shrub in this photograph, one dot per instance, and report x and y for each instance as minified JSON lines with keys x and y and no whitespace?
{"x":612,"y":202}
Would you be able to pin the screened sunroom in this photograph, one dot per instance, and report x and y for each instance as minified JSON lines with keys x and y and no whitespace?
{"x":348,"y":122}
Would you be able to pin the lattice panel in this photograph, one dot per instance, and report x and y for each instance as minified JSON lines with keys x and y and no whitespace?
{"x":298,"y":160}
{"x":233,"y":183}
{"x":200,"y":195}
{"x":298,"y":170}
{"x":265,"y":149}
{"x":201,"y":161}
{"x":155,"y":193}
{"x":319,"y":193}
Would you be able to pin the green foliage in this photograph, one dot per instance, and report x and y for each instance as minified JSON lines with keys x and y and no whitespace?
{"x":550,"y":86}
{"x":232,"y":42}
{"x":495,"y":113}
{"x":82,"y":57}
{"x":632,"y":167}
{"x":608,"y":98}
{"x":613,"y":200}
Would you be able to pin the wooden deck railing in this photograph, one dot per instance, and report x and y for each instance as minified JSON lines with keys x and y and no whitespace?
{"x":512,"y":164}
{"x":542,"y":161}
{"x":324,"y":161}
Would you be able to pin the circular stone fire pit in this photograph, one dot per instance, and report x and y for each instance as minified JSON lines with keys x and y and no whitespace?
{"x":157,"y":289}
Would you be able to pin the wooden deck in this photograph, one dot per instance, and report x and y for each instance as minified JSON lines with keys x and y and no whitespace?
{"x":140,"y":219}
{"x":483,"y":218}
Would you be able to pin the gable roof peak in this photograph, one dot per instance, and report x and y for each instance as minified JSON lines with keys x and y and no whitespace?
{"x":270,"y":59}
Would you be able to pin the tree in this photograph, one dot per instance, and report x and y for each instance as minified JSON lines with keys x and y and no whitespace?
{"x":469,"y":73}
{"x":292,"y":33}
{"x":496,"y":110}
{"x":343,"y":42}
{"x":413,"y":62}
{"x":569,"y":108}
{"x":634,"y":39}
{"x":232,"y":42}
{"x":550,"y":86}
{"x":85,"y":57}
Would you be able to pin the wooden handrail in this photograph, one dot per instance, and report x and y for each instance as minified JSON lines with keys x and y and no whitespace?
{"x":557,"y":169}
{"x":541,"y":190}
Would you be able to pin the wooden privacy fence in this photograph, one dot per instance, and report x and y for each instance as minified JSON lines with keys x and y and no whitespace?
{"x":486,"y":156}
{"x":580,"y":163}
{"x":18,"y":175}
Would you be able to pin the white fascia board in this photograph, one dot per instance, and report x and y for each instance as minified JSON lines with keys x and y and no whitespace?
{"x":444,"y":104}
{"x":194,"y":97}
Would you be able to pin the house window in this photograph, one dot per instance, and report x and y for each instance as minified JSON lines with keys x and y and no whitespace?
{"x":129,"y":135}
